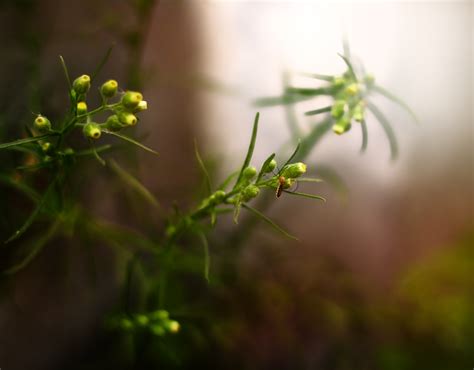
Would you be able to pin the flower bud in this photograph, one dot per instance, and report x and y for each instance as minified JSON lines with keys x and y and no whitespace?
{"x":294,"y":170}
{"x":219,"y":195}
{"x":342,"y":125}
{"x":113,"y":123}
{"x":141,"y":106}
{"x":81,"y":108}
{"x":92,"y":130}
{"x":288,"y":183}
{"x":270,"y":166}
{"x":249,"y":172}
{"x":352,"y":89}
{"x":109,"y":88}
{"x":46,"y":147}
{"x":250,"y":192}
{"x":131,"y":99}
{"x":126,"y":324}
{"x":172,"y":326}
{"x":82,"y":84}
{"x":160,"y":315}
{"x":338,"y":108}
{"x":158,"y":330}
{"x":338,"y":81}
{"x":127,"y":118}
{"x":42,"y":123}
{"x":358,"y":112}
{"x":142,"y":320}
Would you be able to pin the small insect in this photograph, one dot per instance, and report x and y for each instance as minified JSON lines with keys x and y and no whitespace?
{"x":281,"y":184}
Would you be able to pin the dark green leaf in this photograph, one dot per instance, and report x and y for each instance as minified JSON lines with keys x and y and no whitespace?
{"x":250,"y":149}
{"x":207,"y":178}
{"x":33,"y":214}
{"x":318,"y":111}
{"x":38,"y":245}
{"x":136,"y":185}
{"x":66,"y":72}
{"x":268,"y":221}
{"x":102,"y":62}
{"x":280,"y":100}
{"x":305,"y":195}
{"x":24,"y":141}
{"x":207,"y":256}
{"x":307,"y":91}
{"x":130,"y":140}
{"x":349,"y":66}
{"x":291,"y":157}
{"x":264,"y":165}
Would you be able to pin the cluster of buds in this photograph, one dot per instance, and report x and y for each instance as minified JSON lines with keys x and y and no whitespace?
{"x":158,"y":323}
{"x":287,"y":177}
{"x":349,"y":104}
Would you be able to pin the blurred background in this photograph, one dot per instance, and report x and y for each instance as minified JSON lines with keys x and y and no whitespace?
{"x":382,"y":275}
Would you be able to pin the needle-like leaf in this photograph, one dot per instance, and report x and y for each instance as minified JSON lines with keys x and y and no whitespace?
{"x":318,"y":111}
{"x":395,"y":99}
{"x":207,"y":178}
{"x":387,"y":128}
{"x":264,"y":166}
{"x":268,"y":221}
{"x":207,"y":256}
{"x":365,"y":136}
{"x":250,"y":149}
{"x":102,"y":62}
{"x":130,"y":140}
{"x":305,"y":195}
{"x":25,"y":141}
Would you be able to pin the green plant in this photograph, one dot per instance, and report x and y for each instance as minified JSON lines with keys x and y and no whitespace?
{"x":53,"y":152}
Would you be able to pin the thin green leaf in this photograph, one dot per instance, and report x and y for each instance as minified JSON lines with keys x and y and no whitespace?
{"x":264,"y":166}
{"x":33,"y":214}
{"x":387,"y":128}
{"x":34,"y":167}
{"x":97,"y":156}
{"x":280,"y":100}
{"x":365,"y":136}
{"x":318,"y":111}
{"x":307,"y":91}
{"x":90,"y":151}
{"x":227,"y":180}
{"x":207,"y":256}
{"x":309,"y":179}
{"x":290,"y":113}
{"x":213,"y":217}
{"x":397,"y":100}
{"x":130,"y":140}
{"x":346,"y":48}
{"x":251,"y":147}
{"x":268,"y":221}
{"x":207,"y":178}
{"x":291,"y":157}
{"x":305,"y":195}
{"x":318,"y":76}
{"x":39,"y":243}
{"x":134,"y":183}
{"x":25,"y":189}
{"x":349,"y":66}
{"x":102,"y":62}
{"x":25,"y":141}
{"x":66,"y":72}
{"x":237,"y":209}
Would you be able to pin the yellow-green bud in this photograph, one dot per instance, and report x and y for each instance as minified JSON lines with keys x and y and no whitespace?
{"x":352,"y":89}
{"x":160,"y":315}
{"x":82,"y":84}
{"x":358,"y":112}
{"x":143,"y":105}
{"x":109,"y":88}
{"x":249,"y":172}
{"x":219,"y":195}
{"x":338,"y":81}
{"x":126,"y":324}
{"x":294,"y":170}
{"x":81,"y":108}
{"x":113,"y":123}
{"x":42,"y":123}
{"x":342,"y":125}
{"x":250,"y":192}
{"x":288,"y":183}
{"x":338,"y":108}
{"x":131,"y":99}
{"x":45,"y":147}
{"x":158,"y":330}
{"x":127,"y":118}
{"x":270,"y":166}
{"x":142,"y":320}
{"x":92,"y":130}
{"x":172,"y":326}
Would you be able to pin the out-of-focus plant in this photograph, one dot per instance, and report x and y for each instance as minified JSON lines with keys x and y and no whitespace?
{"x":51,"y":151}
